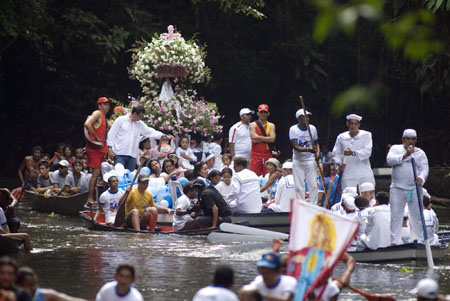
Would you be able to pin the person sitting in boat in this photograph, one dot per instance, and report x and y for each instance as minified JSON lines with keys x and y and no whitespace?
{"x":8,"y":203}
{"x":210,"y":161}
{"x":73,"y":181}
{"x":431,"y":220}
{"x":285,"y":190}
{"x":215,"y":149}
{"x":182,"y":219}
{"x":201,"y":172}
{"x":108,"y":202}
{"x":169,"y":171}
{"x":427,"y":289}
{"x":227,"y":160}
{"x":349,"y":206}
{"x":140,"y":209}
{"x":221,"y":287}
{"x":364,"y":209}
{"x":245,"y":197}
{"x":338,"y":207}
{"x":59,"y":176}
{"x":367,"y":190}
{"x":28,"y":280}
{"x":162,"y":150}
{"x":185,"y":153}
{"x":378,"y":233}
{"x":122,"y":287}
{"x":270,"y":284}
{"x":44,"y":181}
{"x":175,"y":161}
{"x":224,"y":187}
{"x":330,"y":176}
{"x":29,"y":164}
{"x":144,"y":151}
{"x":215,"y":209}
{"x":271,"y":177}
{"x":4,"y":230}
{"x":156,"y":180}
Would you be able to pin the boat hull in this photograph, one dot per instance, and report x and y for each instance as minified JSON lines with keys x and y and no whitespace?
{"x":9,"y":245}
{"x":65,"y":205}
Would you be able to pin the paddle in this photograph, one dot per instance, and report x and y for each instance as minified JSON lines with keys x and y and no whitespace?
{"x":227,"y":227}
{"x":325,"y":205}
{"x":120,"y":216}
{"x":369,"y":296}
{"x":424,"y":228}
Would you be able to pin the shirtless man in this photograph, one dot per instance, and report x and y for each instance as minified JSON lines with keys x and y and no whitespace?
{"x":97,"y":127}
{"x":30,"y":163}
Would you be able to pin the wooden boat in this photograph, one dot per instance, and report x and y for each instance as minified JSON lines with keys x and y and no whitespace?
{"x":66,"y":205}
{"x":163,"y":229}
{"x":411,"y":251}
{"x":277,"y":221}
{"x":9,"y":245}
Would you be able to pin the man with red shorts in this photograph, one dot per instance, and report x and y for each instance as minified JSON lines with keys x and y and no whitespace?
{"x":260,"y":149}
{"x":96,"y":147}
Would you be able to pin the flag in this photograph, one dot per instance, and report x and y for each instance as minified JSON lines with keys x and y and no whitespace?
{"x":317,"y":241}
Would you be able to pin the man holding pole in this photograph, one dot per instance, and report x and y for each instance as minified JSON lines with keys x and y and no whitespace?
{"x":352,"y":152}
{"x":403,"y":184}
{"x":304,"y":150}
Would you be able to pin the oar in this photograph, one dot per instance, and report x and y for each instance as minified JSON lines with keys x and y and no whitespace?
{"x":120,"y":216}
{"x":233,"y":237}
{"x":424,"y":228}
{"x":369,"y":296}
{"x":227,"y":227}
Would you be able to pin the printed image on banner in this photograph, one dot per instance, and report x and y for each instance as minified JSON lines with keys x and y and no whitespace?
{"x":317,"y":241}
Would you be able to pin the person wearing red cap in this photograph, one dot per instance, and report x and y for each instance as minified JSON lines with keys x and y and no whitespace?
{"x":96,"y":147}
{"x":260,"y":149}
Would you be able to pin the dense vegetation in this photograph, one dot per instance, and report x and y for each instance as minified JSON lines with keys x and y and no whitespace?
{"x":58,"y":57}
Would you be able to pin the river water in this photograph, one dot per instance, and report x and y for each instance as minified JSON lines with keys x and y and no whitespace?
{"x":78,"y":261}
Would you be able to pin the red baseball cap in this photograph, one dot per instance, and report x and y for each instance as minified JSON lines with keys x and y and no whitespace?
{"x":102,"y":100}
{"x":263,"y":107}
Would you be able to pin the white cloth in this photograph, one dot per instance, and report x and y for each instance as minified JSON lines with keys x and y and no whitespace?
{"x":338,"y":209}
{"x":240,"y":135}
{"x":3,"y":220}
{"x":377,"y":231}
{"x":330,"y":291}
{"x":286,"y":284}
{"x":188,"y":152}
{"x":183,"y":203}
{"x":306,"y":170}
{"x":285,"y":192}
{"x":216,"y":149}
{"x":125,"y":134}
{"x":303,"y":140}
{"x":357,"y":166}
{"x":58,"y":179}
{"x":363,"y":216}
{"x":156,"y":183}
{"x":108,"y":292}
{"x":245,"y":192}
{"x":224,"y":189}
{"x":212,"y":293}
{"x":402,"y":173}
{"x":110,"y":203}
{"x":432,"y":224}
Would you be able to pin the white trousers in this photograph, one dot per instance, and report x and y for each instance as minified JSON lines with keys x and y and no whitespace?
{"x":305,"y":170}
{"x":356,"y":181}
{"x":397,"y":200}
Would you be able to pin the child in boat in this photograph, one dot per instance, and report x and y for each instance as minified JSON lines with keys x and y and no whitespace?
{"x":224,"y":187}
{"x":44,"y":181}
{"x":109,"y":201}
{"x":182,"y":219}
{"x":144,"y":151}
{"x":215,"y":149}
{"x":227,"y":160}
{"x":431,"y":220}
{"x":185,"y":153}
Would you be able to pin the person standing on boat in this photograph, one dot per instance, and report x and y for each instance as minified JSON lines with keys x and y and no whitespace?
{"x":403,"y":186}
{"x":239,"y":135}
{"x":352,"y":152}
{"x":303,"y":160}
{"x":121,"y":289}
{"x":262,"y":132}
{"x":97,"y":127}
{"x":124,"y":136}
{"x":221,"y":287}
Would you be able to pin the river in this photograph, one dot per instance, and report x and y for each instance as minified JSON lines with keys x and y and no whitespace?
{"x":78,"y":261}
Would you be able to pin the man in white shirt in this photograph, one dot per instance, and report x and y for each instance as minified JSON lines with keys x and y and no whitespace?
{"x":403,"y":186}
{"x":239,"y":135}
{"x":245,"y":196}
{"x":285,"y":190}
{"x":221,"y":287}
{"x":352,"y":152}
{"x":122,"y":288}
{"x":304,"y":150}
{"x":377,"y":234}
{"x":124,"y":136}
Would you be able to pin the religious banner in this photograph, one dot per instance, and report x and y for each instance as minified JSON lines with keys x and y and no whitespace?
{"x":317,"y":241}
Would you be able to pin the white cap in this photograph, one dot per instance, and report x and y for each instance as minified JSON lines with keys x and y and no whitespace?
{"x":301,"y":113}
{"x":64,"y":163}
{"x":209,"y":157}
{"x":425,"y":193}
{"x":426,"y":288}
{"x":366,"y":187}
{"x":354,"y":117}
{"x":245,"y":111}
{"x":350,"y":191}
{"x":409,"y":133}
{"x":349,"y":202}
{"x":287,"y":165}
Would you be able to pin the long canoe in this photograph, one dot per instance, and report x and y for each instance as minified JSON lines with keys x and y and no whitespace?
{"x":411,"y":252}
{"x":66,"y":205}
{"x":9,"y":245}
{"x":100,"y":225}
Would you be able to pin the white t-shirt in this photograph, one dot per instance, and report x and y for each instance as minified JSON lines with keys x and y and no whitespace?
{"x":3,"y":220}
{"x":58,"y":179}
{"x":303,"y":140}
{"x":285,"y":192}
{"x":183,"y":203}
{"x":216,"y":149}
{"x":240,"y":135}
{"x":108,"y":292}
{"x":224,"y":189}
{"x":188,"y":152}
{"x":286,"y":284}
{"x":215,"y":293}
{"x":246,"y":192}
{"x":110,"y":203}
